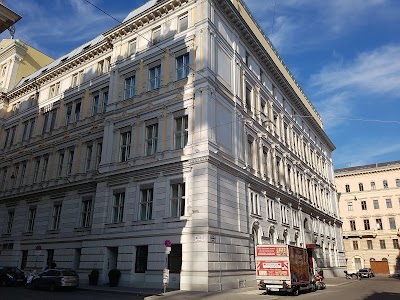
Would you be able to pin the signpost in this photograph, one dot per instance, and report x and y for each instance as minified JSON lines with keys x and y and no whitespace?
{"x":168,"y":245}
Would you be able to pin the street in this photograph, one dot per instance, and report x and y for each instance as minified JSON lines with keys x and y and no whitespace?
{"x":378,"y":288}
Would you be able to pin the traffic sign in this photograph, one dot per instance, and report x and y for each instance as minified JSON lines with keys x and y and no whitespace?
{"x":168,"y":243}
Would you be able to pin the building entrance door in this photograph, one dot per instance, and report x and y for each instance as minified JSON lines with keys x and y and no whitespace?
{"x":357,"y":262}
{"x":380,"y":267}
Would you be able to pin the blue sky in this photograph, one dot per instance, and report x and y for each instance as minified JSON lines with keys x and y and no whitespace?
{"x":345,"y":55}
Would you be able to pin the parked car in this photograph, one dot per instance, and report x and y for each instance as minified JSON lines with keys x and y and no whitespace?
{"x":11,"y":276}
{"x":56,"y":278}
{"x":365,"y":273}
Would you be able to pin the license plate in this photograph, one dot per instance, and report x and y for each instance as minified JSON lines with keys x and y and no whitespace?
{"x":274,"y":290}
{"x":20,"y":280}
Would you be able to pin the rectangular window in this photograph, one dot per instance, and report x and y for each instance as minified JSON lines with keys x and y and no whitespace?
{"x":396,"y":244}
{"x":60,"y":164}
{"x":355,"y":245}
{"x":182,"y":66}
{"x":4,"y":179}
{"x":125,"y":146}
{"x":68,"y":115}
{"x":369,"y":245}
{"x":25,"y":132}
{"x":373,"y":186}
{"x":248,"y":97}
{"x":78,"y":111}
{"x":379,"y":224}
{"x":31,"y":219}
{"x":118,"y":207}
{"x":10,"y":220}
{"x":389,"y":203}
{"x":183,"y":23}
{"x":36,"y":170}
{"x":155,"y":77}
{"x":250,"y":152}
{"x":146,"y":204}
{"x":363,"y":205}
{"x":385,"y":184}
{"x":129,"y":91}
{"x":151,"y":139}
{"x":178,"y":200}
{"x":392,"y":223}
{"x":175,"y":259}
{"x":15,"y":175}
{"x":54,"y":89}
{"x":105,"y":101}
{"x":96,"y":103}
{"x":70,"y":161}
{"x":132,"y":47}
{"x":376,"y":204}
{"x":353,"y":225}
{"x":347,"y":188}
{"x":156,"y":35}
{"x":7,"y":136}
{"x":350,"y":206}
{"x":32,"y":128}
{"x":23,"y":172}
{"x":86,"y":213}
{"x":75,"y":80}
{"x":361,"y":187}
{"x":382,"y":244}
{"x":98,"y":154}
{"x":254,"y":204}
{"x":55,"y":224}
{"x":44,"y":168}
{"x":181,"y":132}
{"x":366,"y":224}
{"x":397,"y":182}
{"x":45,"y":122}
{"x":53,"y":120}
{"x":12,"y":135}
{"x":89,"y":150}
{"x":142,"y":253}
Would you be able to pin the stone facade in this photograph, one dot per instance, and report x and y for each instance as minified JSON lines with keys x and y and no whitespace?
{"x":370,"y":208}
{"x":182,"y":123}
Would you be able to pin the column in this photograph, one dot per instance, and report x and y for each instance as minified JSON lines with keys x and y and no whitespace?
{"x":262,"y":159}
{"x":274,"y":166}
{"x":269,"y":166}
{"x":286,"y":182}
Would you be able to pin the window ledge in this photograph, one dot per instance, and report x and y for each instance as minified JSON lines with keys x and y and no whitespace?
{"x":83,"y":229}
{"x":144,"y":222}
{"x":175,"y":219}
{"x":115,"y":225}
{"x":27,"y":233}
{"x":53,"y":231}
{"x":256,"y":216}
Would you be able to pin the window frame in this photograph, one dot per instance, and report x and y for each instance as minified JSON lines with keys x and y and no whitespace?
{"x":86,"y":212}
{"x":31,"y":219}
{"x":182,"y":71}
{"x":152,"y":140}
{"x":180,"y":18}
{"x":125,"y":145}
{"x":129,"y":87}
{"x":155,"y":77}
{"x":181,"y":133}
{"x":146,"y":203}
{"x":178,"y":197}
{"x":141,"y":258}
{"x":56,"y":216}
{"x":118,"y":207}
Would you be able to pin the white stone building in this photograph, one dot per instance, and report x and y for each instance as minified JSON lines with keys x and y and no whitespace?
{"x":182,"y":124}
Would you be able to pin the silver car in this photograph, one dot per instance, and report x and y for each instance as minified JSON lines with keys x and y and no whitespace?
{"x":53,"y":279}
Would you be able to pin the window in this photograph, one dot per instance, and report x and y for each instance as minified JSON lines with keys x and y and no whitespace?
{"x":55,"y":224}
{"x":15,"y":175}
{"x":254,"y":203}
{"x":369,"y":245}
{"x":181,"y":132}
{"x":376,"y":204}
{"x":156,"y":35}
{"x":270,"y":209}
{"x":10,"y":219}
{"x":355,"y":245}
{"x":12,"y":132}
{"x":96,"y":102}
{"x":53,"y":120}
{"x":132,"y":47}
{"x":366,"y":224}
{"x":361,"y":187}
{"x":146,"y":204}
{"x":151,"y":139}
{"x":105,"y":101}
{"x":250,"y":152}
{"x":178,"y":199}
{"x":44,"y":168}
{"x":25,"y":132}
{"x":142,"y":253}
{"x":86,"y":213}
{"x":175,"y":259}
{"x":24,"y":259}
{"x":350,"y":206}
{"x":45,"y":122}
{"x":397,"y":182}
{"x":68,"y":115}
{"x":183,"y":23}
{"x":98,"y":154}
{"x":22,"y":177}
{"x":363,"y":205}
{"x":32,"y":128}
{"x":70,"y":161}
{"x":373,"y":186}
{"x":36,"y":170}
{"x":7,"y":136}
{"x":182,"y":66}
{"x":118,"y":207}
{"x":284,"y":214}
{"x":396,"y":244}
{"x":385,"y":184}
{"x":129,"y":90}
{"x":54,"y":89}
{"x":246,"y":59}
{"x":103,"y":66}
{"x":77,"y":79}
{"x":60,"y":164}
{"x":389,"y":203}
{"x":89,"y":150}
{"x":392,"y":223}
{"x":353,"y":225}
{"x":78,"y":111}
{"x":125,"y":146}
{"x":347,"y":188}
{"x":379,"y":224}
{"x":248,"y":97}
{"x":155,"y":77}
{"x":4,"y":179}
{"x":382,"y":244}
{"x":31,"y":219}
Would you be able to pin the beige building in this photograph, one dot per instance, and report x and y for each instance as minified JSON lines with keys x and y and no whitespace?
{"x":370,"y":209}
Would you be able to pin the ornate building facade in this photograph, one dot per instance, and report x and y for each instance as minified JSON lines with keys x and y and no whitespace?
{"x":370,"y":209}
{"x":183,"y":124}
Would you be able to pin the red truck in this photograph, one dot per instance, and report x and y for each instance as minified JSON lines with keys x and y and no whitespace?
{"x":283,"y":268}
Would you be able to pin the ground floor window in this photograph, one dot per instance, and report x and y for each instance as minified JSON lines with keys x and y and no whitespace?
{"x":175,"y":259}
{"x":141,"y":259}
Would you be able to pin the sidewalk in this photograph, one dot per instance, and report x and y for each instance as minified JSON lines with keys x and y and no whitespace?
{"x":157,"y":293}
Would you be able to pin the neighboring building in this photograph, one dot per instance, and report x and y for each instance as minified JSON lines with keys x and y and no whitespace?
{"x":183,"y":124}
{"x":18,"y":60}
{"x":7,"y":17}
{"x":370,"y":210}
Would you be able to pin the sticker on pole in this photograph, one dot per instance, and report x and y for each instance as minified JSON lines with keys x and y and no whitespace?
{"x":167,"y":250}
{"x":166,"y":276}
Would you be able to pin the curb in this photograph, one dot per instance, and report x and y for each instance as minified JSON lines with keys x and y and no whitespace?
{"x":121,"y":292}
